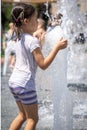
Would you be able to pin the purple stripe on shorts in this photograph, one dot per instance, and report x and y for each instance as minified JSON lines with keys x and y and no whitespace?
{"x":27,"y":92}
{"x":24,"y":95}
{"x":30,"y":101}
{"x":30,"y":98}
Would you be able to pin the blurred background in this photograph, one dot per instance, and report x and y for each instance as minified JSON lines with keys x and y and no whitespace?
{"x":75,"y":26}
{"x":6,"y":6}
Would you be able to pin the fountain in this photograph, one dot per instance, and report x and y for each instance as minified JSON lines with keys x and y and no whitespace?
{"x":55,"y":100}
{"x":76,"y":32}
{"x":62,"y":106}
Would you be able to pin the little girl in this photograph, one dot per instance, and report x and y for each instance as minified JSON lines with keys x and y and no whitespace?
{"x":28,"y":56}
{"x":41,"y":27}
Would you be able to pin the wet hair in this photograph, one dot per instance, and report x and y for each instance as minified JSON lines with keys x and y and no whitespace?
{"x":45,"y":19}
{"x":21,"y":11}
{"x":41,"y":8}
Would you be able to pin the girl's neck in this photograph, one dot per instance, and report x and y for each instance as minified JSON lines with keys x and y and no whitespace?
{"x":27,"y":32}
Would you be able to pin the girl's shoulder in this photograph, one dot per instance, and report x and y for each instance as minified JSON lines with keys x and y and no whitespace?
{"x":30,"y":39}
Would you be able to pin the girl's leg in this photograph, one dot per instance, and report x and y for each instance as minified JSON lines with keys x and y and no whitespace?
{"x":31,"y":115}
{"x":20,"y":118}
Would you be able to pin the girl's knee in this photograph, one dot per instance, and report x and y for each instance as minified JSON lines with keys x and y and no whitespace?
{"x":22,"y":116}
{"x":32,"y":121}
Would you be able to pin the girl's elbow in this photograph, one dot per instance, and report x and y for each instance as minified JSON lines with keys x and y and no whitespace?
{"x":43,"y":67}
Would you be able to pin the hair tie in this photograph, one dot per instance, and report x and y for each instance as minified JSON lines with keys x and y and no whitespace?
{"x":16,"y":20}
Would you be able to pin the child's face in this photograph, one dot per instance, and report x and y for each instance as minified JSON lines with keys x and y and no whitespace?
{"x":40,"y":23}
{"x":33,"y":23}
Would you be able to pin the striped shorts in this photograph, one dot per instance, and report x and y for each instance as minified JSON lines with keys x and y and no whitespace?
{"x":25,"y":95}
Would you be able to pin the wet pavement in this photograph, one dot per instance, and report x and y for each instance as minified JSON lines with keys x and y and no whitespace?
{"x":9,"y":108}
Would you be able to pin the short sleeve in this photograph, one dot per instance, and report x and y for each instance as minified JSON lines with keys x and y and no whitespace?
{"x":34,"y":44}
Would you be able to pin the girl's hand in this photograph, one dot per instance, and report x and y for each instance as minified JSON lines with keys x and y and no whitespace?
{"x":45,"y":62}
{"x":62,"y":43}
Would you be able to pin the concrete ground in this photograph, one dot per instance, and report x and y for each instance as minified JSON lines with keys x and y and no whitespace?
{"x":9,"y":108}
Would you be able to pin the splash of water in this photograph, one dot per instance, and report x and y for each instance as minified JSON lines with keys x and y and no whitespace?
{"x":53,"y":82}
{"x":75,"y":30}
{"x":73,"y":21}
{"x":53,"y":86}
{"x":62,"y":106}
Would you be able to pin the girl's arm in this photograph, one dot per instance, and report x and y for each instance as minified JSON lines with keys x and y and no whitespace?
{"x":40,"y":34}
{"x":42,"y":62}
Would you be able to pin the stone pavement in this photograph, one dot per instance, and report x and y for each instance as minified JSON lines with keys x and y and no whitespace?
{"x":9,"y":108}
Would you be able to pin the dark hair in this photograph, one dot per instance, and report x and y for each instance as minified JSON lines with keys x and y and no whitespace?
{"x":45,"y":18}
{"x":21,"y":11}
{"x":41,"y":8}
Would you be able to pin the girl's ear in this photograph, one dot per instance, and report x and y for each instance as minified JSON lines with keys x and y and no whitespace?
{"x":25,"y":21}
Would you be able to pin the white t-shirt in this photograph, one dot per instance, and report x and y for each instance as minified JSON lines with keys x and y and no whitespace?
{"x":25,"y":67}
